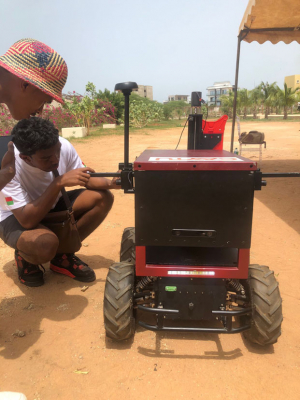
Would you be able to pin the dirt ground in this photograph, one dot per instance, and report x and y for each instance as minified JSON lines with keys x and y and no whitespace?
{"x":65,"y":354}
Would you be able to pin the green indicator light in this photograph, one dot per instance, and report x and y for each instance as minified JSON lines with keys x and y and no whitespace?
{"x":170,"y":288}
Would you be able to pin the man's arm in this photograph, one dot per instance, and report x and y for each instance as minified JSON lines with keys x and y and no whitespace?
{"x":102,"y":184}
{"x":7,"y":171}
{"x":32,"y":213}
{"x":74,"y":162}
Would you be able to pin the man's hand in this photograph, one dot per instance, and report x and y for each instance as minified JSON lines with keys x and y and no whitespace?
{"x":76,"y":177}
{"x":7,"y":166}
{"x":114,"y":182}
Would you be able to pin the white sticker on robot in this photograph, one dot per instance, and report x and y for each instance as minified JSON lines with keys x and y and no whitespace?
{"x":193,"y":159}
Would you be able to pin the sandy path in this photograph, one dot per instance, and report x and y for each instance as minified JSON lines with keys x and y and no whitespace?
{"x":64,"y":326}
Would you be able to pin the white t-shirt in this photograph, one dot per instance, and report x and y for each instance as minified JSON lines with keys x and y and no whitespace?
{"x":30,"y":183}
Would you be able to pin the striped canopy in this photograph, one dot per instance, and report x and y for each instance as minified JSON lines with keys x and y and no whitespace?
{"x":273,"y":20}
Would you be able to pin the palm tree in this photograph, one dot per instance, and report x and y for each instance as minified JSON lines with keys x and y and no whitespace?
{"x":245,"y":101}
{"x":286,"y":98}
{"x":227,"y":104}
{"x":267,"y":90}
{"x":256,"y":100}
{"x":276,"y":103}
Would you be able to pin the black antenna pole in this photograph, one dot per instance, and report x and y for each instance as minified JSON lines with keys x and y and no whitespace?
{"x":126,"y":128}
{"x":126,"y":88}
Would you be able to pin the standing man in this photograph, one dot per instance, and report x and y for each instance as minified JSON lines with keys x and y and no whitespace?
{"x":31,"y":75}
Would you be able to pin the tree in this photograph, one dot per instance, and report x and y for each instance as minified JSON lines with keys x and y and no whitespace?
{"x":91,"y":90}
{"x":72,"y":106}
{"x":143,"y":112}
{"x":267,"y":90}
{"x":286,"y":97}
{"x":227,"y":104}
{"x":245,"y":101}
{"x":176,"y":108}
{"x":204,"y":111}
{"x":275,"y":103}
{"x":167,"y":112}
{"x":81,"y":107}
{"x":137,"y":98}
{"x":256,"y":100}
{"x":88,"y":110}
{"x":116,"y":99}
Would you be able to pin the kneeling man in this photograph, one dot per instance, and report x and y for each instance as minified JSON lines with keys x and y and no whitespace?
{"x":34,"y":192}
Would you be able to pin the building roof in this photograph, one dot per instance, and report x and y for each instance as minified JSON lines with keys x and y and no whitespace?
{"x":220,"y":85}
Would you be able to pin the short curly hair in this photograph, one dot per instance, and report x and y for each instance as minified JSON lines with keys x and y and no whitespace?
{"x":33,"y":134}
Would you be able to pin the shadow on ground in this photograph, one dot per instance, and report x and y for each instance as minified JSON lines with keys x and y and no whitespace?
{"x":256,"y":348}
{"x":159,"y":350}
{"x":25,"y":313}
{"x":218,"y":354}
{"x":281,"y":195}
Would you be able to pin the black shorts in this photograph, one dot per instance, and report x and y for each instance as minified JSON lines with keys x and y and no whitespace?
{"x":11,"y":229}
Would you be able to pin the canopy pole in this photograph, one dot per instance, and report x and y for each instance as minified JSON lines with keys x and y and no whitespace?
{"x":235,"y":92}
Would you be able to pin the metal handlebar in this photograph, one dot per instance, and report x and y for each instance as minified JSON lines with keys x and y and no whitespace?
{"x":281,"y":175}
{"x":105,"y":174}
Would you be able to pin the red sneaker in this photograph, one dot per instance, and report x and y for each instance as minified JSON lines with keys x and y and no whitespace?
{"x":72,"y":266}
{"x":29,"y":274}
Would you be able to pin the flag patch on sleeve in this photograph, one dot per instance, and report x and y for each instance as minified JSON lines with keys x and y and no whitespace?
{"x":9,"y":201}
{"x":83,"y":164}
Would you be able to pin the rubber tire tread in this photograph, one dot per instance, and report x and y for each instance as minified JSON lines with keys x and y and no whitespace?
{"x":267,"y":306}
{"x":127,"y":251}
{"x":119,"y":320}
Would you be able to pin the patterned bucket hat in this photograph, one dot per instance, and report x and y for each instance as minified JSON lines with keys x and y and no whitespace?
{"x":38,"y":64}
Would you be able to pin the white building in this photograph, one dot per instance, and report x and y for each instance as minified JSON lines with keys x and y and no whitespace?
{"x":215,"y":92}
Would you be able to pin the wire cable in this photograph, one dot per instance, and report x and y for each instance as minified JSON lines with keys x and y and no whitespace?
{"x":206,"y":118}
{"x":182,"y":133}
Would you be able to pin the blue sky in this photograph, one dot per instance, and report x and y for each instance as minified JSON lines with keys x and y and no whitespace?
{"x":175,"y":46}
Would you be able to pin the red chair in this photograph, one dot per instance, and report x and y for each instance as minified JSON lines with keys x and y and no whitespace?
{"x":215,"y":128}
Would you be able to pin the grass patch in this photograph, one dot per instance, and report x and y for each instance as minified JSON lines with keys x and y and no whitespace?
{"x":172,"y":123}
{"x":271,"y":118}
{"x":119,"y":130}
